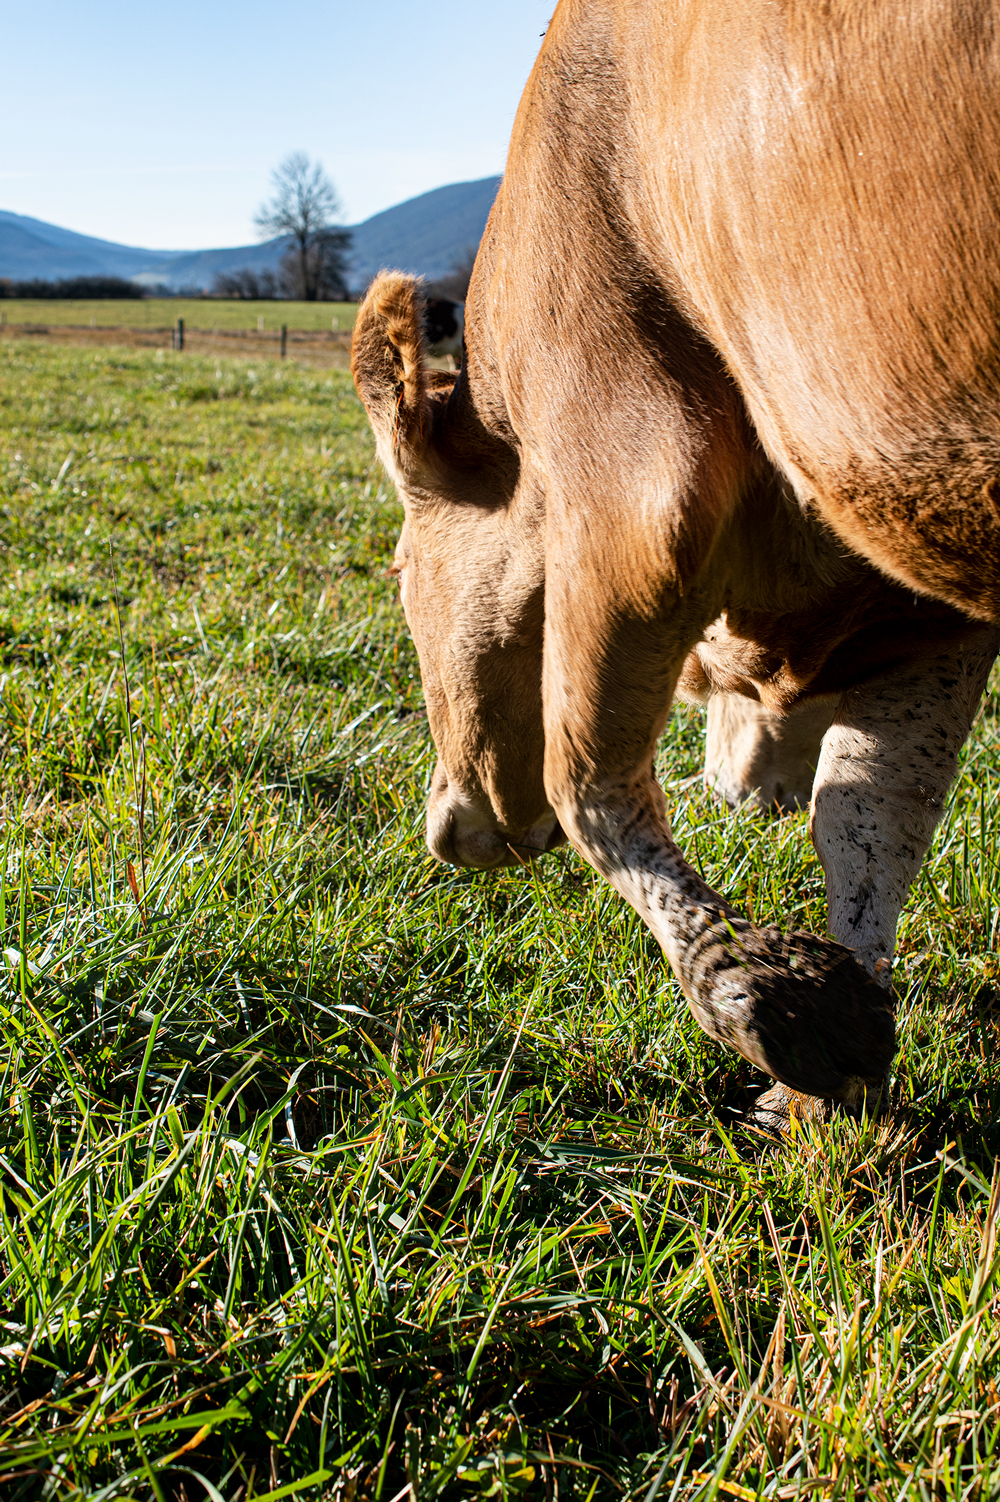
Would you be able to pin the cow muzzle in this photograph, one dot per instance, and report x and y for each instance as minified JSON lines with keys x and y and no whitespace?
{"x":464,"y":831}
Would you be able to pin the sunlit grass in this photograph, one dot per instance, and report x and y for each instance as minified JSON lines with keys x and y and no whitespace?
{"x":328,"y":1169}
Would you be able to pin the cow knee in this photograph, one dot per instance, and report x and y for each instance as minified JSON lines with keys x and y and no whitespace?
{"x":596,"y":815}
{"x":574,"y":811}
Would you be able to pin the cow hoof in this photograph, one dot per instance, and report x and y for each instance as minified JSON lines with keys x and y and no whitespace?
{"x":775,"y":1110}
{"x":799,"y":1007}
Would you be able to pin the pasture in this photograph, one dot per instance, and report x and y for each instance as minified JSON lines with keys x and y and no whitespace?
{"x":228,"y":314}
{"x":326,"y":1171}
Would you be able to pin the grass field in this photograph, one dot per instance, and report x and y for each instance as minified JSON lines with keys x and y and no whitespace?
{"x":163,"y":312}
{"x":326,"y":1171}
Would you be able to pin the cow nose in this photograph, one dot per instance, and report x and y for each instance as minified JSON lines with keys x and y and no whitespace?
{"x":460,"y":841}
{"x":462,"y":831}
{"x":544,"y":835}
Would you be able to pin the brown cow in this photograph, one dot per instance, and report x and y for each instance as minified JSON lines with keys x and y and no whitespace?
{"x":729,"y":426}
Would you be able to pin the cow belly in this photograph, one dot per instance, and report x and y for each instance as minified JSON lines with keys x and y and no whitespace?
{"x":782,"y":661}
{"x":828,"y":198}
{"x":934,"y":525}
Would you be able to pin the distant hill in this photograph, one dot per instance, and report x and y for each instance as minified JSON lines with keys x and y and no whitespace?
{"x":424,"y":235}
{"x":31,"y":248}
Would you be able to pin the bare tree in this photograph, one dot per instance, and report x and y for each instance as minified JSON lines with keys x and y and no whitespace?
{"x":319,"y":275}
{"x":303,"y":205}
{"x":258,"y":286}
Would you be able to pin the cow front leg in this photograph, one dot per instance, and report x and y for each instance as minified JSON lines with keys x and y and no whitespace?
{"x":884,"y":771}
{"x":796,"y":1005}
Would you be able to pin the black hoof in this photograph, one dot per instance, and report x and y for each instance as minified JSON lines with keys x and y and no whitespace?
{"x":798,"y":1006}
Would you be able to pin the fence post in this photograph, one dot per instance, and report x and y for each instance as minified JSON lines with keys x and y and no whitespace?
{"x":284,"y":339}
{"x":180,"y":333}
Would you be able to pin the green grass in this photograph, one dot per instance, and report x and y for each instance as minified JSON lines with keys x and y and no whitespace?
{"x":163,"y":312}
{"x":327,"y":1171}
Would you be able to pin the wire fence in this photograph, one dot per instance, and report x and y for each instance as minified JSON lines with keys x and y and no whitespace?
{"x":324,"y":346}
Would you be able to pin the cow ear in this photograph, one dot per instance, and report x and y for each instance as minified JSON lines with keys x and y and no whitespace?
{"x":387,"y":362}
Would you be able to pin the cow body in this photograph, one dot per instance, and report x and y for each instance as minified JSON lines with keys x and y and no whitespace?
{"x":729,"y":426}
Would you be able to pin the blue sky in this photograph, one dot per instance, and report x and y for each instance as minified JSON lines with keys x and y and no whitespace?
{"x":158,"y":125}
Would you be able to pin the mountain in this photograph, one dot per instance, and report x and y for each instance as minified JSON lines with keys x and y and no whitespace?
{"x":30,"y":248}
{"x":424,"y":235}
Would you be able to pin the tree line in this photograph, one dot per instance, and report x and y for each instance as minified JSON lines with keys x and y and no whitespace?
{"x":302,"y":210}
{"x":74,"y":286}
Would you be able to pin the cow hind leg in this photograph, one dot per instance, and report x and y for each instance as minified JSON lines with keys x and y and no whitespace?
{"x":758,"y":758}
{"x":884,"y":772}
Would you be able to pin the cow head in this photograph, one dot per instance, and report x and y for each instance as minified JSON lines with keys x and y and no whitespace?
{"x":469,"y":564}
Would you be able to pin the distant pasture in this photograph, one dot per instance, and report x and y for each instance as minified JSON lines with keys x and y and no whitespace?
{"x":163,"y":312}
{"x":319,"y":334}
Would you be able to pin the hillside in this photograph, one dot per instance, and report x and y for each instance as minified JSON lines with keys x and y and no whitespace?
{"x":424,"y":235}
{"x":32,"y":248}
